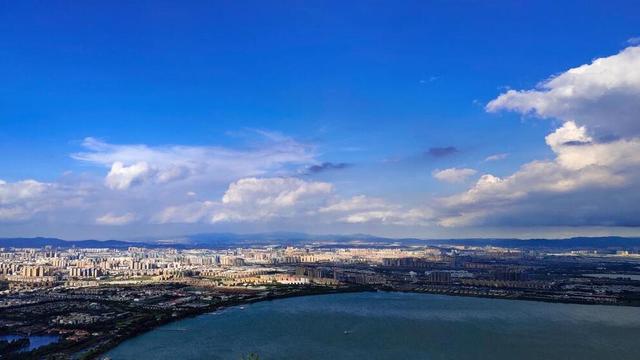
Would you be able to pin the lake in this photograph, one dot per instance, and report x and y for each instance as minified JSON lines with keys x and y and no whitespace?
{"x":382,"y":325}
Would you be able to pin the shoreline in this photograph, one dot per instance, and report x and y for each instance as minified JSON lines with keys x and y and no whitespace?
{"x":100,"y":351}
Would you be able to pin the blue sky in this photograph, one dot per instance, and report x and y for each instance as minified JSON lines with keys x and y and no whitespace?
{"x":385,"y":94}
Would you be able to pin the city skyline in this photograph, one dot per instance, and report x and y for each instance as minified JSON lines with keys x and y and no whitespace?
{"x":429,"y":120}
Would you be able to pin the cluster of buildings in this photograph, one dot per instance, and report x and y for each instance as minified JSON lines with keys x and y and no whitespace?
{"x":74,"y":267}
{"x":438,"y":268}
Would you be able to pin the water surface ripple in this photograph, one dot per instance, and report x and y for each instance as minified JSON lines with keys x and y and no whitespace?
{"x":396,"y":326}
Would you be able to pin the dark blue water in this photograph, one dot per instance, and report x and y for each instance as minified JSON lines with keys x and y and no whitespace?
{"x":397,"y":326}
{"x":34,"y":340}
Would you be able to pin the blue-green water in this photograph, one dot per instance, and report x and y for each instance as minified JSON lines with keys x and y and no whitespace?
{"x":397,"y":326}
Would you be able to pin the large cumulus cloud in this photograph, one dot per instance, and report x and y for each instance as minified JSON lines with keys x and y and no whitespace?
{"x":603,"y":96}
{"x":594,"y":176}
{"x":265,"y":199}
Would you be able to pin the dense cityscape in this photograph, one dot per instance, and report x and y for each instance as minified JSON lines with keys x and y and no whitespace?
{"x":84,"y":301}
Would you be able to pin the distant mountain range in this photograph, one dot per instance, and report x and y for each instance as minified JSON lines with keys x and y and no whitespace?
{"x":38,"y":242}
{"x":603,"y":242}
{"x":227,"y":240}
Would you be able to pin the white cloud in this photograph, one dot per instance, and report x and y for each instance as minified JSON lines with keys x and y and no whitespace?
{"x":368,"y":216}
{"x":114,"y":219}
{"x":395,"y":215}
{"x":193,"y":212}
{"x":22,"y":199}
{"x":121,"y":177}
{"x":454,"y":175}
{"x":140,"y":164}
{"x":603,"y":96}
{"x":273,"y":192}
{"x":496,"y":157}
{"x":592,"y":178}
{"x":194,"y":184}
{"x":11,"y":193}
{"x":579,"y":164}
{"x":576,"y":150}
{"x":184,"y":183}
{"x":149,"y":178}
{"x":364,"y":209}
{"x":254,"y":199}
{"x":355,"y":203}
{"x":265,"y":199}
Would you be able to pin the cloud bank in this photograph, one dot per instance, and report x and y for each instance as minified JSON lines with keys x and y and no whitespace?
{"x":139,"y":164}
{"x":594,"y":176}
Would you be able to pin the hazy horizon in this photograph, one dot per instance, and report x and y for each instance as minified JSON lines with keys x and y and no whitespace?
{"x":189,"y":238}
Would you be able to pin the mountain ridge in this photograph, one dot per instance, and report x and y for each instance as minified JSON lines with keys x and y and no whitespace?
{"x":225,"y":240}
